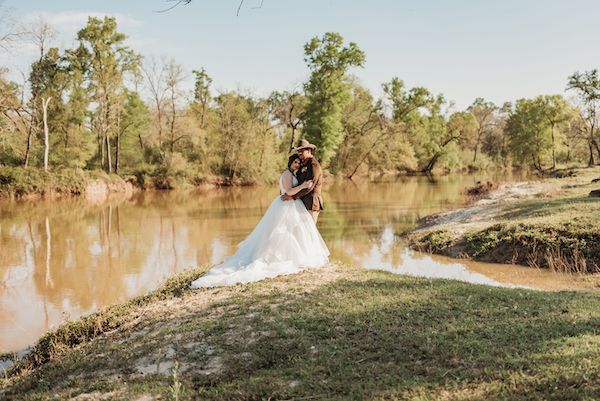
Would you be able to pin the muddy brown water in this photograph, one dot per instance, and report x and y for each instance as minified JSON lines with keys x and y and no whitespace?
{"x":62,"y":259}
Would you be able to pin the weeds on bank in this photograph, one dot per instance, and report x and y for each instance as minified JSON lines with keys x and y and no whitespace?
{"x":560,"y":234}
{"x":563,"y":248}
{"x":70,"y":334}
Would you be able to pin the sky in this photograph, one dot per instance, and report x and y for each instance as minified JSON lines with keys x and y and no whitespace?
{"x":501,"y":50}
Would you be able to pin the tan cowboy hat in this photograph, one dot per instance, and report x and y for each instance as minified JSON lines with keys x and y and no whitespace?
{"x":304,"y":144}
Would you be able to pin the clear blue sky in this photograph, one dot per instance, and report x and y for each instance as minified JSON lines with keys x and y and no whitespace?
{"x":497,"y":49}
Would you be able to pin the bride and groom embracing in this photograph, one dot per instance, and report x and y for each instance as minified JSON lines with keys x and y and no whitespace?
{"x":286,"y":239}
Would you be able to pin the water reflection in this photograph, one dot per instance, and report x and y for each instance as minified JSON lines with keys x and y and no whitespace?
{"x":61,"y":259}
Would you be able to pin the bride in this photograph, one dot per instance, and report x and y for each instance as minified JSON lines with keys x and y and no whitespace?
{"x":285,"y":241}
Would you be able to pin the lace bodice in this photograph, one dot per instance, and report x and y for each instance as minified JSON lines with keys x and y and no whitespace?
{"x":282,"y":189}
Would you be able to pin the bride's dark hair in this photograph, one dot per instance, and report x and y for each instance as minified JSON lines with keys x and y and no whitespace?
{"x":291,"y":160}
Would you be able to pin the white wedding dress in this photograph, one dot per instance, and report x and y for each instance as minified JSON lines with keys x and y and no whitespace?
{"x":285,"y":241}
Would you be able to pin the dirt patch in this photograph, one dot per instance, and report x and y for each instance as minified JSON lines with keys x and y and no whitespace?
{"x":98,"y":191}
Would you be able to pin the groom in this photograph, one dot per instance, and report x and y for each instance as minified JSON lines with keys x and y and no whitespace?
{"x":310,"y":170}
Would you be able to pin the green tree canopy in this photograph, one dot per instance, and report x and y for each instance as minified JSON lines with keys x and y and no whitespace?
{"x":328,"y":60}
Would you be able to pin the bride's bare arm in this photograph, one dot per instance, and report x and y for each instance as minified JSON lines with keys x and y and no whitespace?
{"x":289,"y":189}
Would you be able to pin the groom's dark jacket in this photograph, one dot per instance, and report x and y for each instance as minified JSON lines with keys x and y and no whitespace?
{"x":311,"y":170}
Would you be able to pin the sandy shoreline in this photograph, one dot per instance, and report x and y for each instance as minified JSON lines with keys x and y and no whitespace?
{"x":554,"y":208}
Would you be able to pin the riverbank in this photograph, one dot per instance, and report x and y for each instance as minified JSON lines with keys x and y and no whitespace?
{"x":335,"y":333}
{"x":34,"y":183}
{"x":551,"y":223}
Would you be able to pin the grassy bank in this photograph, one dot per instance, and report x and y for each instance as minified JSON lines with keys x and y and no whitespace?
{"x":19,"y":182}
{"x":336,"y":333}
{"x":557,"y":227}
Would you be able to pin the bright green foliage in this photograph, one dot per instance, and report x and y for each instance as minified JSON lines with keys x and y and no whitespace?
{"x":104,"y":60}
{"x":530,"y":132}
{"x":558,"y":113}
{"x":360,"y":120}
{"x":406,"y":103}
{"x":135,"y":120}
{"x":421,"y":116}
{"x":327,"y":91}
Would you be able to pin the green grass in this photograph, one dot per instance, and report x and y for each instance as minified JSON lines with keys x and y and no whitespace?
{"x":561,"y":233}
{"x":17,"y":182}
{"x":347,"y":334}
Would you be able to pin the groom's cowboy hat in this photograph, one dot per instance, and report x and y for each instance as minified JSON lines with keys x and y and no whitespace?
{"x":304,"y":144}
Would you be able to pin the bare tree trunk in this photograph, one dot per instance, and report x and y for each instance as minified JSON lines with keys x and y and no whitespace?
{"x":173,"y":116}
{"x":108,"y":158}
{"x":118,"y":144}
{"x":553,"y":149}
{"x":101,"y":144}
{"x":595,"y":143}
{"x":367,"y":153}
{"x":45,"y":103}
{"x":591,"y":162}
{"x":293,"y":137}
{"x":203,"y":113}
{"x":429,"y":168}
{"x":29,"y":142}
{"x":479,"y":134}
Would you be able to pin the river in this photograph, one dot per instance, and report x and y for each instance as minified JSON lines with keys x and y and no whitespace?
{"x":60,"y":259}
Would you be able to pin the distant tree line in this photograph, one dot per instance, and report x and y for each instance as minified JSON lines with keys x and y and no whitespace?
{"x":100,"y":105}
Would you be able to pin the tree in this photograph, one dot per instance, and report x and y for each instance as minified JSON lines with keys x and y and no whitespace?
{"x":201,"y":94}
{"x":556,"y":111}
{"x":155,"y":73}
{"x":364,"y":127}
{"x":530,"y":132}
{"x":42,"y":74}
{"x":418,"y":113}
{"x":439,"y":134}
{"x":288,"y":109}
{"x":587,"y":87}
{"x":106,"y":60}
{"x":241,"y":138}
{"x":174,"y":78}
{"x":405,"y":102}
{"x":45,"y":102}
{"x":14,"y":121}
{"x":134,"y":121}
{"x":327,"y":92}
{"x":495,"y":143}
{"x":484,"y":114}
